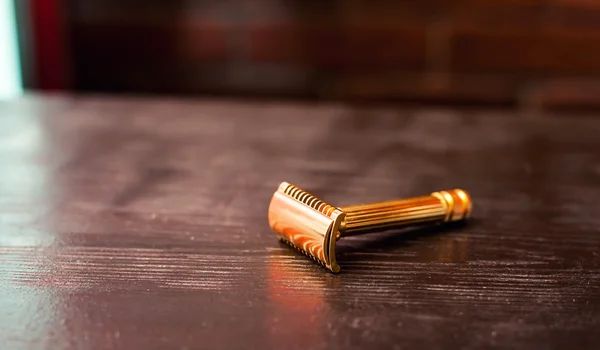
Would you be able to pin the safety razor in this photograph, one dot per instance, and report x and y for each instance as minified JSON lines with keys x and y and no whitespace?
{"x":313,"y":226}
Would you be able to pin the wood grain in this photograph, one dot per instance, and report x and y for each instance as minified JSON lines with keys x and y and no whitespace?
{"x":142,"y":223}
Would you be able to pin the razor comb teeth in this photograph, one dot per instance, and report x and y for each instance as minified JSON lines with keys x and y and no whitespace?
{"x":304,"y":252}
{"x":308,"y":199}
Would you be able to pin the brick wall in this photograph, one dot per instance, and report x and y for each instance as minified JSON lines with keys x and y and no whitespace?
{"x":531,"y":52}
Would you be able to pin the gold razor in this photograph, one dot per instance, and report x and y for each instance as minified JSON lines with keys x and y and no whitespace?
{"x":313,"y":226}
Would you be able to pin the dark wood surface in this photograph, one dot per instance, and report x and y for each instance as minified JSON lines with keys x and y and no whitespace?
{"x":141,"y":223}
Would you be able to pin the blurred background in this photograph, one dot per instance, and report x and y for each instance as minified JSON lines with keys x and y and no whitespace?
{"x":533,"y":54}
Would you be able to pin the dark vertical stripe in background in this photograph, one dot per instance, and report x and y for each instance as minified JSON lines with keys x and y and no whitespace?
{"x":50,"y":49}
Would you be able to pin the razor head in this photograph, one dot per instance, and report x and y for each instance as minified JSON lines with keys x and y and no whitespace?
{"x":306,"y":223}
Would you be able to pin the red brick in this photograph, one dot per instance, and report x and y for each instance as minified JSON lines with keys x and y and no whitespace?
{"x":567,"y":93}
{"x":578,"y":3}
{"x":507,"y":16}
{"x":424,"y":87}
{"x":205,"y":40}
{"x":340,"y":46}
{"x":527,"y":52}
{"x":201,"y":40}
{"x":526,"y":37}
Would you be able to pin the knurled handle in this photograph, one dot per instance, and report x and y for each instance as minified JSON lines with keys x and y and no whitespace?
{"x":442,"y":206}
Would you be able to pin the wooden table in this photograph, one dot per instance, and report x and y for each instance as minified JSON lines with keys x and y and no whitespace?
{"x":137,"y":223}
